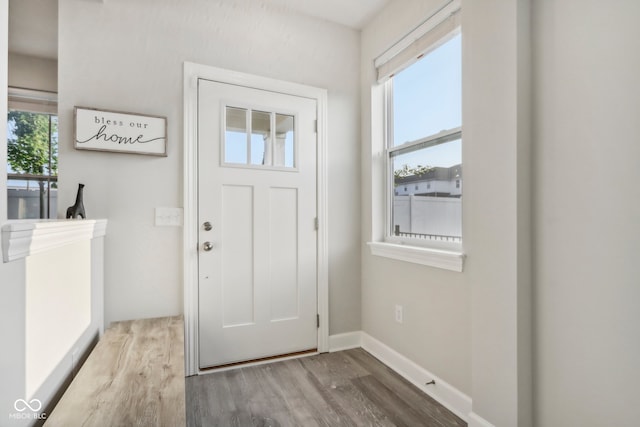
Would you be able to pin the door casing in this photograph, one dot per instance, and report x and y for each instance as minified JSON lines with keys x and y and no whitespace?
{"x":192,"y":73}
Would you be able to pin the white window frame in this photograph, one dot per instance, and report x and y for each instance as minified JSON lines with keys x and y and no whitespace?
{"x":426,"y":37}
{"x":250,"y":109}
{"x":37,"y":102}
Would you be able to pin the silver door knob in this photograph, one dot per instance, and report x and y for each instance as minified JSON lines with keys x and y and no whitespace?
{"x":207,"y":246}
{"x":207,"y":226}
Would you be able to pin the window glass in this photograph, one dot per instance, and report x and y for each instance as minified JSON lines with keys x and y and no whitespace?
{"x":425,"y":148}
{"x":259,"y":144}
{"x":433,"y":214}
{"x":284,"y":146}
{"x":427,"y":96}
{"x":235,"y":136}
{"x":32,"y":165}
{"x":260,"y":138}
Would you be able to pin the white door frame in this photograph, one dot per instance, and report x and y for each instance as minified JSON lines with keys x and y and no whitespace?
{"x":192,"y":73}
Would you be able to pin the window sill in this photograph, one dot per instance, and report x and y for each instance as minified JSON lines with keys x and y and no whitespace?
{"x":447,"y":260}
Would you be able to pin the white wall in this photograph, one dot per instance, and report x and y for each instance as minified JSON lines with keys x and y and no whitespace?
{"x":12,"y":335}
{"x":472,"y":329}
{"x":128,"y":56}
{"x":30,"y":72}
{"x":496,"y":117}
{"x":4,"y":66}
{"x":436,"y":329}
{"x":587,"y":212}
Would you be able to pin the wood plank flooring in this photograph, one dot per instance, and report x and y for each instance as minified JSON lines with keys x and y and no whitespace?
{"x":133,"y":377}
{"x":347,"y":388}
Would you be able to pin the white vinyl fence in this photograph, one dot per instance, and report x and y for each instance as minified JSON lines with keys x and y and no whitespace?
{"x":25,"y":203}
{"x":428,"y":217}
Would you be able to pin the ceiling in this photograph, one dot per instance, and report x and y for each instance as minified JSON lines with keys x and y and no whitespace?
{"x":352,"y":13}
{"x":33,"y":24}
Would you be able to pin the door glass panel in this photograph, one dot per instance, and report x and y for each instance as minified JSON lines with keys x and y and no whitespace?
{"x":284,"y":154}
{"x":260,"y":138}
{"x":235,"y":136}
{"x":259,"y":144}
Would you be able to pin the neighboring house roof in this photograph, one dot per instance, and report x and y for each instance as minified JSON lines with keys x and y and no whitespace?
{"x":437,"y":173}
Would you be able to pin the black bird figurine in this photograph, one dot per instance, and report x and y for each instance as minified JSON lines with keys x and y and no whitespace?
{"x":77,"y":209}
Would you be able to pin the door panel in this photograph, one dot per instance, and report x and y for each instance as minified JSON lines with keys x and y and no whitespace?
{"x":257,"y":187}
{"x":237,"y":272}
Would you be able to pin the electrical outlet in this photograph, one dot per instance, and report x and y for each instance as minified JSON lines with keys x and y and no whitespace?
{"x":399,"y":313}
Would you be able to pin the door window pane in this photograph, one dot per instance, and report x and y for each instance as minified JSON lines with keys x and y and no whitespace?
{"x":269,"y":140}
{"x":260,"y":138}
{"x":235,"y":136}
{"x":284,"y":154}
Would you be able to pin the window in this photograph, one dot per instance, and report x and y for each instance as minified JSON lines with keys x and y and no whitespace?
{"x":424,"y":143}
{"x":418,"y":143}
{"x":32,"y":154}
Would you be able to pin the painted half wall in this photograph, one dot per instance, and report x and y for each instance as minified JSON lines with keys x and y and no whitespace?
{"x":128,"y":56}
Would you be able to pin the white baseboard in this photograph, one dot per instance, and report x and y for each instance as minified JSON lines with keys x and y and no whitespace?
{"x":345,"y":341}
{"x":477,"y":421}
{"x":450,"y":397}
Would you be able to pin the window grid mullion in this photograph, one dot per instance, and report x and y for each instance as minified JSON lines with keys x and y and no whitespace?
{"x":428,"y":141}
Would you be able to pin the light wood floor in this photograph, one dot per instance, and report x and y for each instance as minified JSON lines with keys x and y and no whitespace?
{"x":347,"y":388}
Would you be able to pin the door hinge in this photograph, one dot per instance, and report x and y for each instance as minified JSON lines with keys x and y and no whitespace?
{"x":316,"y":223}
{"x":315,"y":126}
{"x":318,"y":320}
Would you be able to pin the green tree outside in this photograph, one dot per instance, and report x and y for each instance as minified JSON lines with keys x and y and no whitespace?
{"x":32,"y":147}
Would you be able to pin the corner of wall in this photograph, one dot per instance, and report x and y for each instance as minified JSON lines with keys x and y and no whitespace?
{"x":497,"y":110}
{"x":4,"y":65}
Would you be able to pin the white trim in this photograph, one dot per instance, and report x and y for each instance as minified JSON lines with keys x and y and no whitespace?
{"x":477,"y":421}
{"x":31,"y":95}
{"x":447,"y":395}
{"x":34,"y":101}
{"x":448,"y":260}
{"x":22,"y":238}
{"x":190,"y":218}
{"x":441,"y":137}
{"x":192,"y":73}
{"x":429,"y":24}
{"x":257,"y":363}
{"x":345,"y":341}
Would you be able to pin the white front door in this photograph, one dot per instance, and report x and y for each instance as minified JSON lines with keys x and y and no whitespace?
{"x":257,"y":224}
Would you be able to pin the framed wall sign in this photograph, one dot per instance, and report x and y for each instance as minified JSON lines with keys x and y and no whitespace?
{"x":113,"y":131}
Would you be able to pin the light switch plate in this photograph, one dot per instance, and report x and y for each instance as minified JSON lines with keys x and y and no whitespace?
{"x":168,"y":217}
